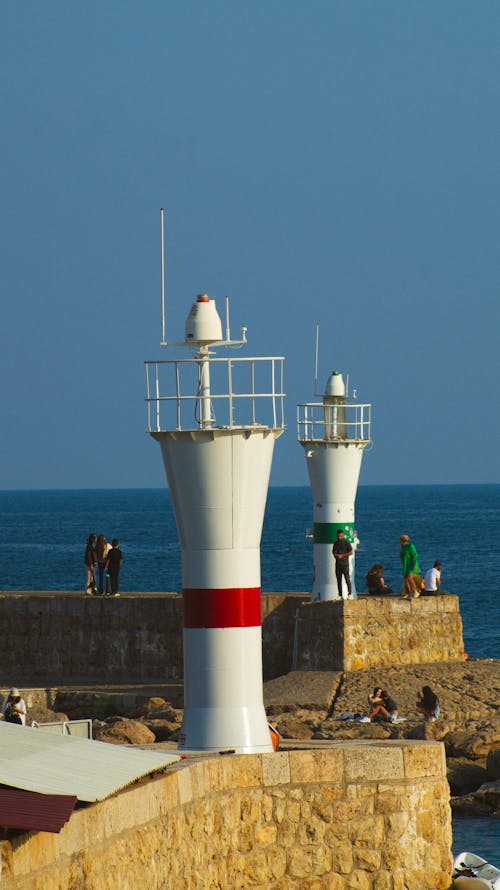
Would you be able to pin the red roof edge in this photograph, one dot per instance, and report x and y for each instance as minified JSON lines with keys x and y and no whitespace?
{"x":30,"y":811}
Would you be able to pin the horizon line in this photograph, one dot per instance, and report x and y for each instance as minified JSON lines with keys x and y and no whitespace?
{"x":166,"y":489}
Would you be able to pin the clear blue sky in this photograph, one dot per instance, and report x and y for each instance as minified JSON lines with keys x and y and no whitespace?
{"x":331,"y":161}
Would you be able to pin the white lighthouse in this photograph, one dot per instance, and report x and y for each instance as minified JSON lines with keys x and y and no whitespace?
{"x":334,"y":434}
{"x":216,"y":420}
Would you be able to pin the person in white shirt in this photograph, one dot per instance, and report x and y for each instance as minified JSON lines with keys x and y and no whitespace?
{"x":14,"y":708}
{"x":432,"y":579}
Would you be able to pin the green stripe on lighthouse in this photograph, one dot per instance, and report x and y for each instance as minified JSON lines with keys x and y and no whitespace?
{"x":326,"y":532}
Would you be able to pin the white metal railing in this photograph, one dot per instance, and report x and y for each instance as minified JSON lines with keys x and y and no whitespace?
{"x":211,"y":393}
{"x":81,"y":728}
{"x":325,"y":422}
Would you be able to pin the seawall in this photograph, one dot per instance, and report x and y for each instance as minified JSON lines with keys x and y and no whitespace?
{"x":66,"y":638}
{"x":366,"y":815}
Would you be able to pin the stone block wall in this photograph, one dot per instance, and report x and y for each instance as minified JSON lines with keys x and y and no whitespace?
{"x":280,"y":613}
{"x":67,"y":639}
{"x":352,"y":635}
{"x":365,"y":815}
{"x":60,"y":639}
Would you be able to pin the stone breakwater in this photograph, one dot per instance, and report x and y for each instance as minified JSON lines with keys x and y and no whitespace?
{"x":65,"y":637}
{"x":366,"y":815}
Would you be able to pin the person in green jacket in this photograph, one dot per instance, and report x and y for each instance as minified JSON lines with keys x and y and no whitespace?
{"x":412,"y":582}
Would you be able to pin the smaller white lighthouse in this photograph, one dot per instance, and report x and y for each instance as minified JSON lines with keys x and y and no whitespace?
{"x":334,"y":434}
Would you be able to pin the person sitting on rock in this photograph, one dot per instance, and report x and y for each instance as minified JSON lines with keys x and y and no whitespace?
{"x":375,"y":583}
{"x":14,"y":709}
{"x":385,"y":708}
{"x":428,"y":704}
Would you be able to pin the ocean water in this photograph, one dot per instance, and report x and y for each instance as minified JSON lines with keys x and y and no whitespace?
{"x":43,"y":535}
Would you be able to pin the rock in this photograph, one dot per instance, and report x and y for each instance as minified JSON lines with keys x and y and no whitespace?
{"x":349,"y":730}
{"x":154,"y":703}
{"x":125,"y":732}
{"x":483,"y":802}
{"x":163,"y":730}
{"x":430,"y":732}
{"x":465,"y":777}
{"x":489,"y":794}
{"x":475,"y":742}
{"x":493,"y":764}
{"x":291,"y":728}
{"x":45,"y":715}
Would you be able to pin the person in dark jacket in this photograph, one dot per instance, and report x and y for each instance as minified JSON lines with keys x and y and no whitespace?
{"x":374,"y":581}
{"x":342,"y":550}
{"x":90,"y":560}
{"x":113,"y":565}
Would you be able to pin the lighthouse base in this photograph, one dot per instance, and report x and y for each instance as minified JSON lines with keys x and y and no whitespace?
{"x":223,"y":702}
{"x":215,"y":729}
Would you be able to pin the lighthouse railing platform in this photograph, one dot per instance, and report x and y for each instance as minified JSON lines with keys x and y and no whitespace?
{"x":216,"y":393}
{"x":344,"y":422}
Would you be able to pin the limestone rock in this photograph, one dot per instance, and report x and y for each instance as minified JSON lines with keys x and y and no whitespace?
{"x":291,"y":728}
{"x":163,"y":730}
{"x":465,"y":777}
{"x":493,"y":764}
{"x":483,"y":802}
{"x":330,"y":729}
{"x":125,"y":732}
{"x":475,"y":742}
{"x":153,"y":703}
{"x":45,"y":715}
{"x":424,"y":729}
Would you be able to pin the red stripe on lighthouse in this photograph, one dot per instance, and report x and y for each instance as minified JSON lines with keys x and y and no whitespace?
{"x":223,"y":607}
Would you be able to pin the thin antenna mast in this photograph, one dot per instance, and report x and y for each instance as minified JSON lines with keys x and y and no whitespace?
{"x":162,"y":248}
{"x":228,"y":335}
{"x":316,"y":361}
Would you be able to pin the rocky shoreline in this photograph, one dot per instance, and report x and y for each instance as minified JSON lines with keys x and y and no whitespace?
{"x":469,"y":725}
{"x":305,"y":705}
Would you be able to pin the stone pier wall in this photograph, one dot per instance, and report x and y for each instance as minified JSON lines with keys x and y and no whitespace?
{"x":67,"y":639}
{"x":365,"y":815}
{"x":353,"y":635}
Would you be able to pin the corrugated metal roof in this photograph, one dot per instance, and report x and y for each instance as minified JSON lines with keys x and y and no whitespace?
{"x":29,"y":811}
{"x":52,"y":764}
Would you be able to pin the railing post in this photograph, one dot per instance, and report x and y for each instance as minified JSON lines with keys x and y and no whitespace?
{"x":273,"y":392}
{"x":178,"y":395}
{"x":157,"y":389}
{"x":252,"y":389}
{"x":230,"y":390}
{"x":148,"y":400}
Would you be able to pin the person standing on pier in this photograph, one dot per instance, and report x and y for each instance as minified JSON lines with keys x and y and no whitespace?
{"x":113,"y":565}
{"x":412,"y":582}
{"x":342,"y":550}
{"x":90,"y":560}
{"x":102,"y":549}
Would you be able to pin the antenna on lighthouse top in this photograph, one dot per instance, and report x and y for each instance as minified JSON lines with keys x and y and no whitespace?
{"x":316,"y":361}
{"x":162,"y":253}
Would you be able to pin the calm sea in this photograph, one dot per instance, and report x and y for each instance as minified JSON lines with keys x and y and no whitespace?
{"x":43,"y":534}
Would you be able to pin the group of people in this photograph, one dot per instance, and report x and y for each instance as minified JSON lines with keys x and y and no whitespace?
{"x":385,"y":707}
{"x":413,"y":583}
{"x":107,"y":559}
